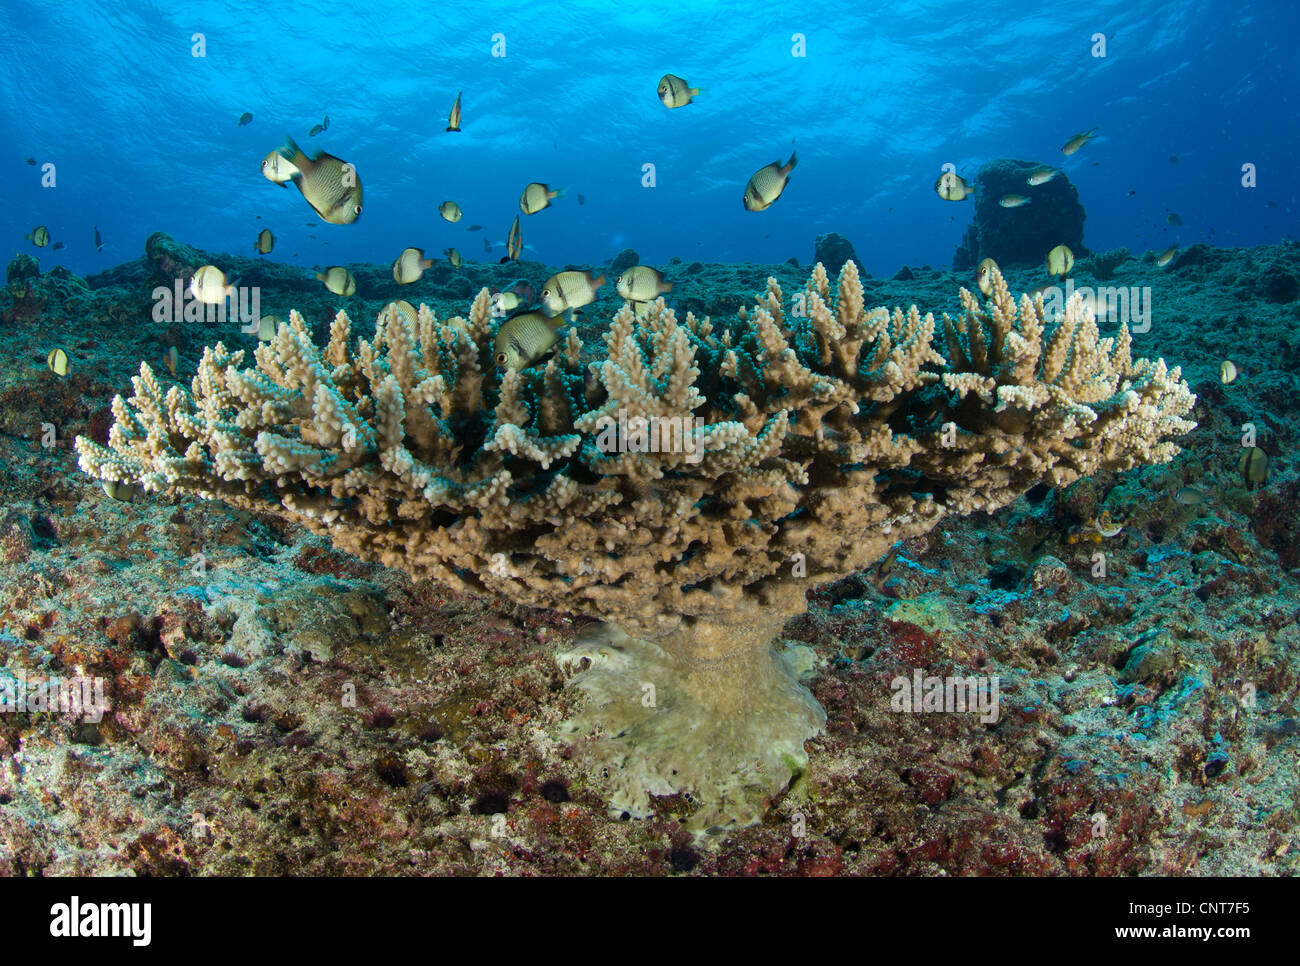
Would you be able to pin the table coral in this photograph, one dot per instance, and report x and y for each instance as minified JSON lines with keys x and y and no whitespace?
{"x":829,"y":431}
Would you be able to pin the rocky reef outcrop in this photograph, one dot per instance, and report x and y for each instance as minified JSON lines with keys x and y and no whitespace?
{"x":1020,"y":235}
{"x":833,"y":250}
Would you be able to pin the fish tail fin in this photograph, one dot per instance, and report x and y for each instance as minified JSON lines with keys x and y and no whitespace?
{"x":598,"y":282}
{"x":794,"y":159}
{"x":556,"y":193}
{"x":668,"y":287}
{"x":696,"y":91}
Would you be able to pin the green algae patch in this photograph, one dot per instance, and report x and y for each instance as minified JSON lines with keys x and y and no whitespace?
{"x":928,"y":612}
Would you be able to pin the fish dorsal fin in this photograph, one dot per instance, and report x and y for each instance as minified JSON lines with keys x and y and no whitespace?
{"x":296,"y":157}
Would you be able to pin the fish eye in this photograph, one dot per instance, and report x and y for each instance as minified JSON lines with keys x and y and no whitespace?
{"x":356,"y":209}
{"x":545,"y":292}
{"x":501,"y":358}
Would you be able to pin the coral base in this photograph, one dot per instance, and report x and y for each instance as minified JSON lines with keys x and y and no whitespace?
{"x":713,"y":711}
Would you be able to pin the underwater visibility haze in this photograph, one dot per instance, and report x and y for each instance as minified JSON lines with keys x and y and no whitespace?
{"x":835,"y":439}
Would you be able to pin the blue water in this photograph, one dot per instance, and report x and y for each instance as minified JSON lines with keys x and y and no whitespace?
{"x":144,"y":136}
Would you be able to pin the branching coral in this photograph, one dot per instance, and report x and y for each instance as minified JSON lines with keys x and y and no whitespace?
{"x":826,"y":432}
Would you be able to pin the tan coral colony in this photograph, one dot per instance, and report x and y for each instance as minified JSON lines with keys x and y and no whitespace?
{"x":829,"y":432}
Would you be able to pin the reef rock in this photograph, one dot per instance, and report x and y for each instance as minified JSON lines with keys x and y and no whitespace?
{"x":28,"y":293}
{"x":166,"y":260}
{"x":22,"y":269}
{"x":833,"y":250}
{"x":169,"y":258}
{"x":1024,"y":235}
{"x":1198,"y":254}
{"x":623,"y":261}
{"x":1278,"y":285}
